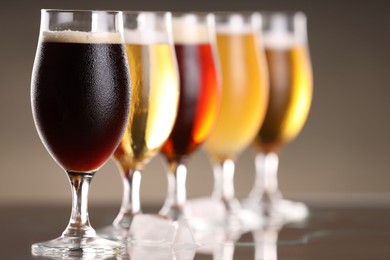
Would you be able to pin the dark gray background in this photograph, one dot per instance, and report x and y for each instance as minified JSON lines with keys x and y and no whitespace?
{"x":342,"y":153}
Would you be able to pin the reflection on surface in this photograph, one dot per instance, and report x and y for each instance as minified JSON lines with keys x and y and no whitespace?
{"x":273,"y":242}
{"x":92,"y":257}
{"x":154,"y":230}
{"x":219,"y":243}
{"x":337,"y":234}
{"x":139,"y":252}
{"x":222,"y":243}
{"x":265,"y":240}
{"x":329,"y":233}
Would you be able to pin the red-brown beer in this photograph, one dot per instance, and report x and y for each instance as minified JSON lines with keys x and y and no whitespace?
{"x":199,"y":99}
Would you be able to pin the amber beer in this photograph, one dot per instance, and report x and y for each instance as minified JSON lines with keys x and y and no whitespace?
{"x":199,"y":96}
{"x":79,"y":126}
{"x":244,"y":94}
{"x":290,"y":93}
{"x":155,"y":93}
{"x":199,"y":85}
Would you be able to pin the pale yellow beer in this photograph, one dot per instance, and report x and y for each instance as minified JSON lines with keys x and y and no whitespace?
{"x":153,"y":108}
{"x":244,"y":94}
{"x":154,"y":100}
{"x":290,"y":95}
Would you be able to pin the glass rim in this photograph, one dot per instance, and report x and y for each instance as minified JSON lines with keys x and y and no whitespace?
{"x":244,"y":13}
{"x":197,"y":13}
{"x":81,"y":20}
{"x":237,"y":21}
{"x":159,"y":12}
{"x":201,"y":17}
{"x":291,"y":13}
{"x":54,"y":10}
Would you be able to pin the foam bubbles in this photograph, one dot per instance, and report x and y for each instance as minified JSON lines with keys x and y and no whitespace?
{"x":237,"y":25}
{"x":187,"y":30}
{"x":279,"y":40}
{"x":145,"y":37}
{"x":69,"y":36}
{"x":278,"y":35}
{"x":149,"y":30}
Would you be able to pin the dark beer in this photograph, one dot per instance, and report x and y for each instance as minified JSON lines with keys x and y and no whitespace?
{"x":198,"y":103}
{"x":80,"y":100}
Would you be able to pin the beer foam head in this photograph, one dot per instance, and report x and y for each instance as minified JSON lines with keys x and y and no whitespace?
{"x":187,"y":30}
{"x":280,"y":34}
{"x":237,"y":24}
{"x":277,"y":40}
{"x":145,"y":37}
{"x":69,"y":36}
{"x":150,"y":29}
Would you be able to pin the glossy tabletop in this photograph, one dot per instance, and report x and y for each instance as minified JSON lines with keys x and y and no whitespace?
{"x":330,"y":233}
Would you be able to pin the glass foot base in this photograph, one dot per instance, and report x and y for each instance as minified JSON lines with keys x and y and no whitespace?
{"x":114,"y":233}
{"x":78,"y":247}
{"x":154,"y":230}
{"x":292,"y":211}
{"x":280,"y":211}
{"x":209,"y":215}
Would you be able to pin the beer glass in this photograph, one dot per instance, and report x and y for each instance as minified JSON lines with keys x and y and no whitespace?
{"x":194,"y":40}
{"x":80,"y":99}
{"x":243,"y":102}
{"x":285,"y":42}
{"x":153,"y":110}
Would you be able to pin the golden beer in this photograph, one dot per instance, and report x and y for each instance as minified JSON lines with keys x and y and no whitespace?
{"x":244,"y":95}
{"x":290,"y":96}
{"x":154,"y":100}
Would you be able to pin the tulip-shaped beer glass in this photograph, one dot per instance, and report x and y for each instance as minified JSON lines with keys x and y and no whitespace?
{"x":194,"y":39}
{"x":285,"y":42}
{"x":243,"y":102}
{"x":153,"y":110}
{"x":80,"y":94}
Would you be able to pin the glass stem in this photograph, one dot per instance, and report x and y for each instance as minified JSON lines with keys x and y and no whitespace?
{"x":266,"y":180}
{"x":177,"y":194}
{"x":266,"y":243}
{"x":131,"y":203}
{"x":224,"y":183}
{"x":79,"y":225}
